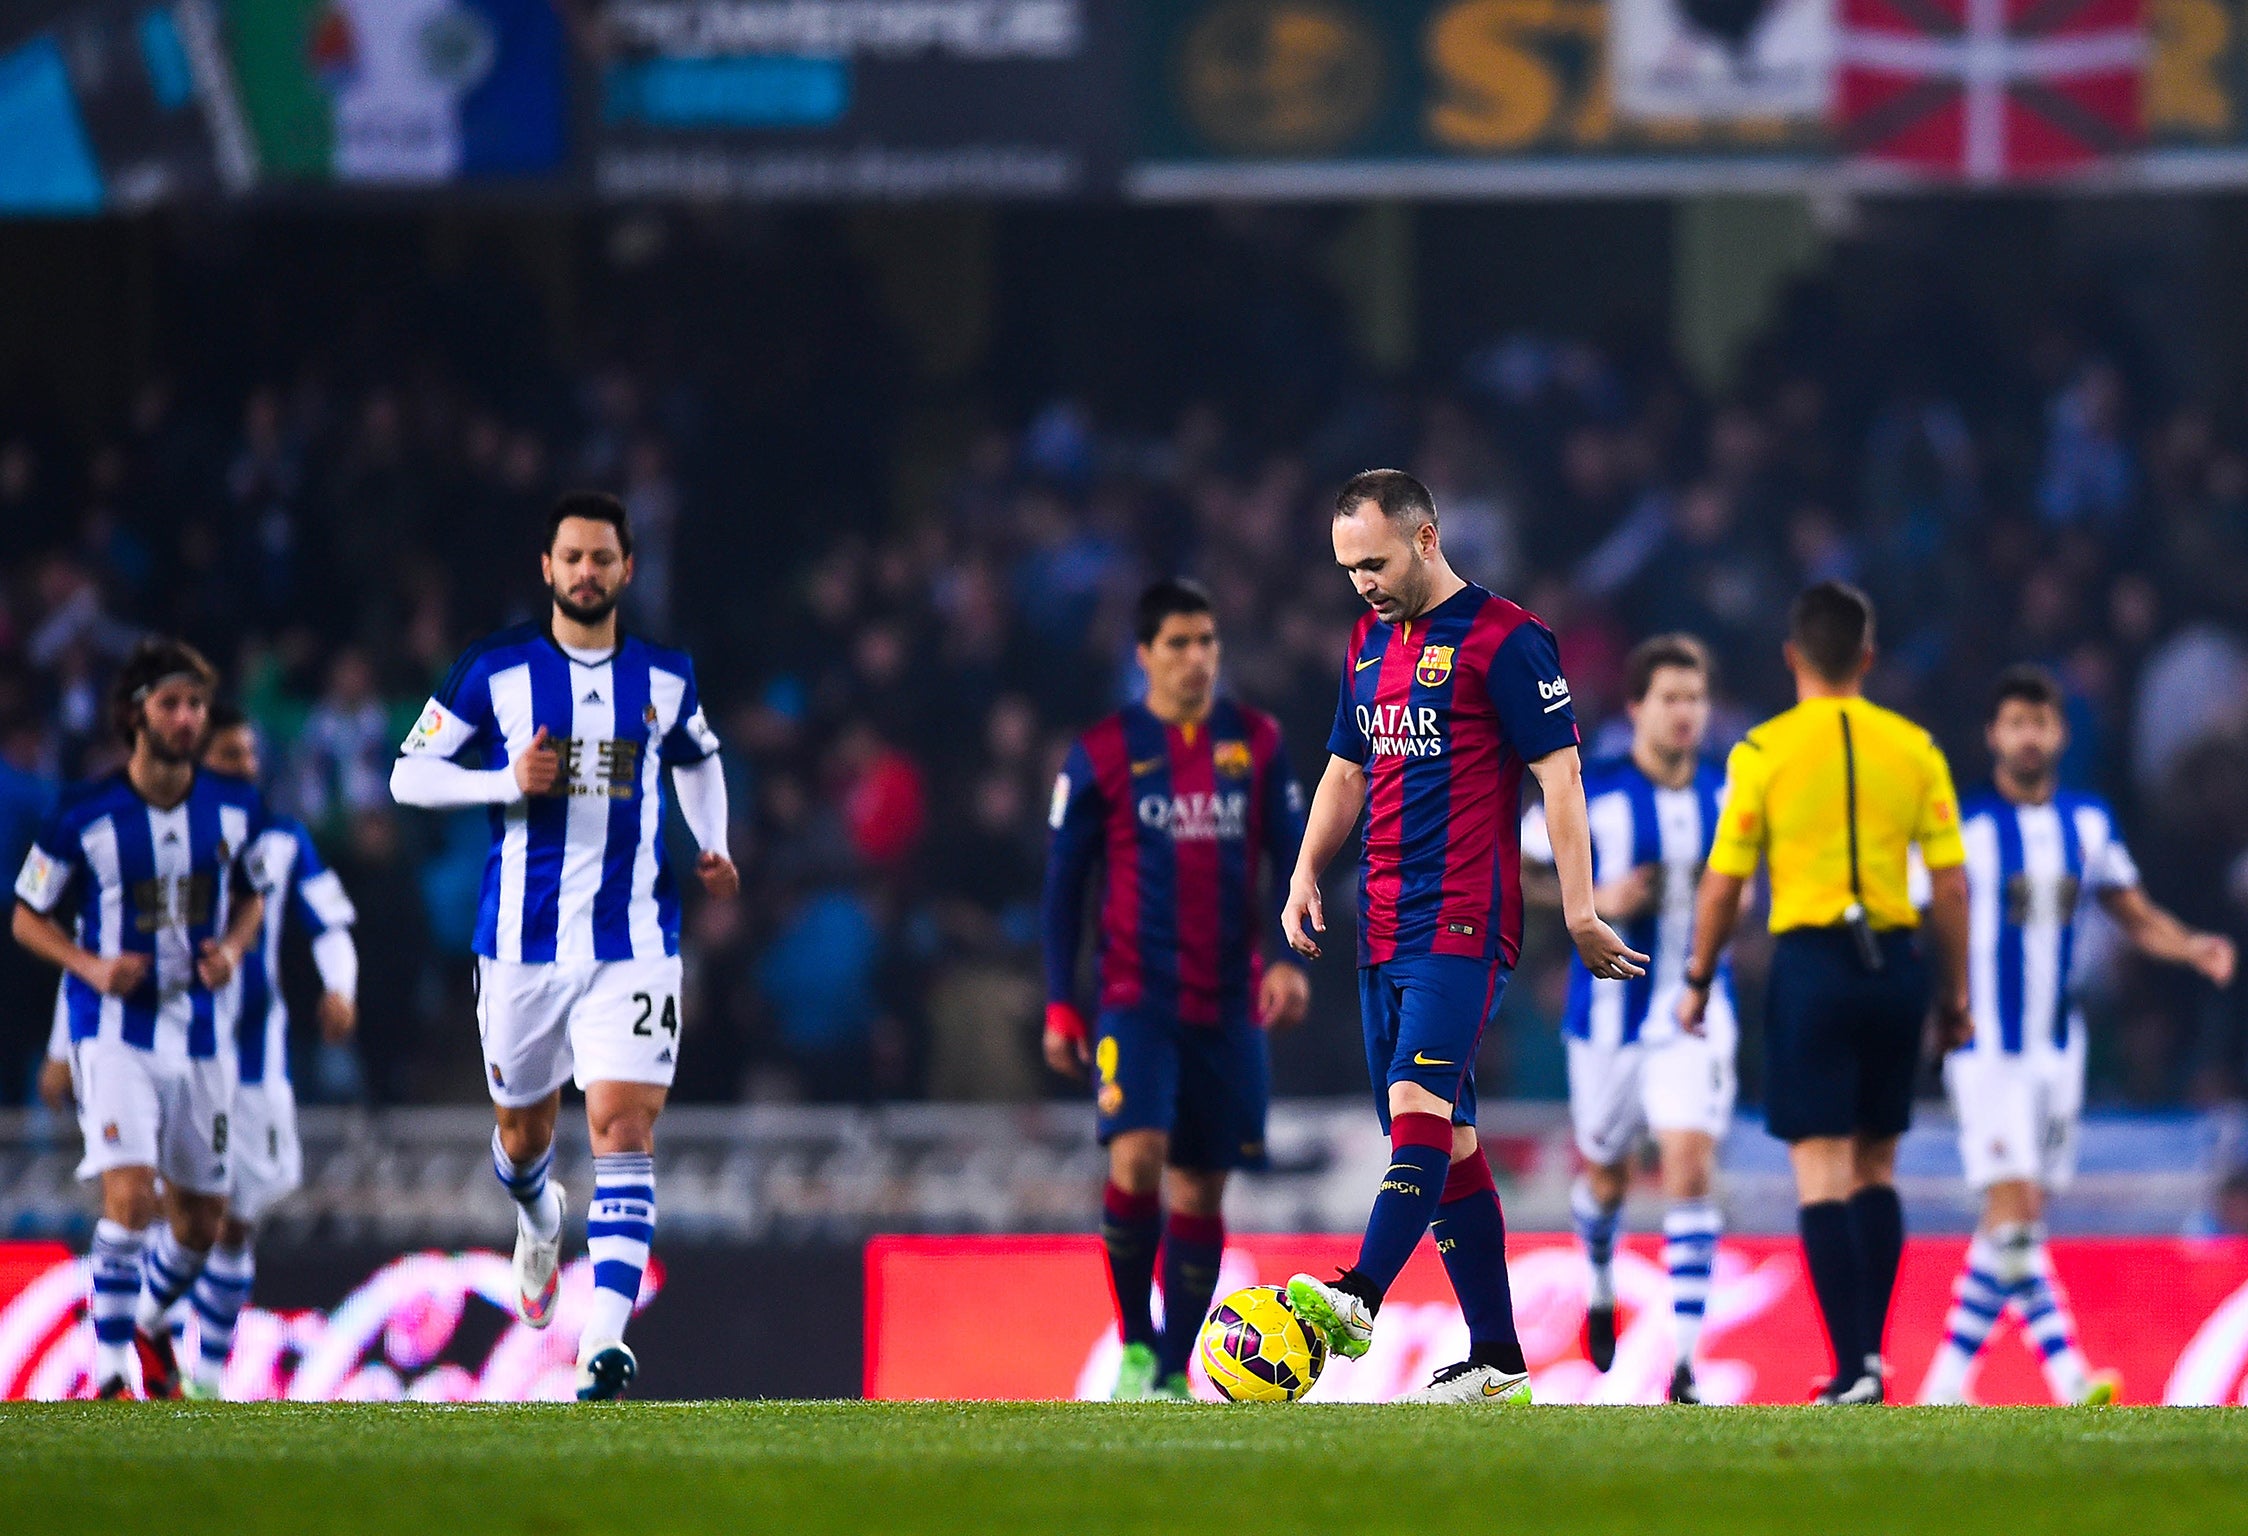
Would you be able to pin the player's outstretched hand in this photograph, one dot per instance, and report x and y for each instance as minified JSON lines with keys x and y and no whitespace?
{"x":539,"y":769}
{"x":1064,"y":1042}
{"x":2213,"y":956}
{"x":1284,"y":998}
{"x":215,"y":964}
{"x":719,"y":877}
{"x":120,"y":975}
{"x":339,"y":1016}
{"x":54,"y":1083}
{"x":1605,"y":954}
{"x":1304,"y":905}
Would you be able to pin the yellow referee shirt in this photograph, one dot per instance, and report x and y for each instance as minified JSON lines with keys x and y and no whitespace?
{"x":1784,"y":797}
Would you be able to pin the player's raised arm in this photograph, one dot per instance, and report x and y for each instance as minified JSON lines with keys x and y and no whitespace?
{"x":1076,"y":821}
{"x":1569,"y":833}
{"x":1334,"y":811}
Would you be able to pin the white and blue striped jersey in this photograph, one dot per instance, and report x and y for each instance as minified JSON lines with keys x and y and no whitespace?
{"x":151,"y":882}
{"x":2028,"y":867}
{"x":1635,"y":821}
{"x":296,"y":882}
{"x":580,"y":873}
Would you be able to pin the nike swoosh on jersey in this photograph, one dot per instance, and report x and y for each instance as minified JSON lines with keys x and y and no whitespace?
{"x":1371,"y":661}
{"x":1420,"y":1060}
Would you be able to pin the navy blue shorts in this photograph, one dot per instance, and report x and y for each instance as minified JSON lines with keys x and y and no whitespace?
{"x":1204,"y":1086}
{"x":1424,"y":1017}
{"x":1842,"y":1043}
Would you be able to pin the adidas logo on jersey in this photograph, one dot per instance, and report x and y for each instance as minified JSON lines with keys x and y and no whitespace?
{"x":663,"y":1057}
{"x":592,"y":696}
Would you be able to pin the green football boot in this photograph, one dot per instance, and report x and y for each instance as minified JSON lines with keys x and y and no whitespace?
{"x":1136,"y":1375}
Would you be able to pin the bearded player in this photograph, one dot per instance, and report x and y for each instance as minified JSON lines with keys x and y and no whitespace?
{"x":1178,"y":798}
{"x":572,"y":723}
{"x":2034,"y":852}
{"x":1448,"y":694}
{"x":161,"y":861}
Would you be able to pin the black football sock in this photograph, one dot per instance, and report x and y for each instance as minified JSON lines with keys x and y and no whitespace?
{"x":1470,"y":1233}
{"x":1877,"y":1219}
{"x":1131,"y":1227}
{"x":1830,"y":1249}
{"x":1193,"y":1247}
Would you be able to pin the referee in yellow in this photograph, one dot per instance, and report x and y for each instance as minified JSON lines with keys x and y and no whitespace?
{"x":1833,"y":793}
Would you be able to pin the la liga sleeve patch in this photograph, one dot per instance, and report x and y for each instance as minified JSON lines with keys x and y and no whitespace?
{"x":437,"y":733}
{"x":42,"y":880}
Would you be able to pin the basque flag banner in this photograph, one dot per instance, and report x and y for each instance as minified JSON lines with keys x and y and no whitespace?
{"x":1991,"y":90}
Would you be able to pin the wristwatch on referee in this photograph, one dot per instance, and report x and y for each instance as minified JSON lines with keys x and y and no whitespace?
{"x":1695,"y":983}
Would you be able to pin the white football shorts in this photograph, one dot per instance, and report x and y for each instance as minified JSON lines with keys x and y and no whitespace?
{"x":268,"y":1159}
{"x":2019,"y":1116}
{"x":1618,"y":1094}
{"x":590,"y":1021}
{"x":137,"y":1111}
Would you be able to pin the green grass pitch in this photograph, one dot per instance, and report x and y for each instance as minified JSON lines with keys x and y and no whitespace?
{"x":994,"y":1469}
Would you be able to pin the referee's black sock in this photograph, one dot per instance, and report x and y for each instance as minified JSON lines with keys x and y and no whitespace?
{"x":1877,"y":1217}
{"x":1830,"y":1248}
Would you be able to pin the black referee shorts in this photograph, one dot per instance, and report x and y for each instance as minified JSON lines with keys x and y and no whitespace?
{"x":1842,"y":1043}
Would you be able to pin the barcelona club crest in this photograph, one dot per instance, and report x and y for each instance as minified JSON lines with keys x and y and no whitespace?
{"x":1231,"y":758}
{"x":1434,"y":666}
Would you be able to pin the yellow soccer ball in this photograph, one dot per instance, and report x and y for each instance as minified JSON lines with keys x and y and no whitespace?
{"x":1256,"y":1350}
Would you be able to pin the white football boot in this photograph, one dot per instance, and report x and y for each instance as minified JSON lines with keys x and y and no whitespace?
{"x":1345,"y":1321}
{"x":1470,"y":1383}
{"x":538,"y":1268}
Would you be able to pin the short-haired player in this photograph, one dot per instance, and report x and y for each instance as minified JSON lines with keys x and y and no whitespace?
{"x":1178,"y":799}
{"x":1632,"y":1071}
{"x":571,"y":723}
{"x":1449,"y":695}
{"x":2035,"y":852}
{"x":161,"y":860}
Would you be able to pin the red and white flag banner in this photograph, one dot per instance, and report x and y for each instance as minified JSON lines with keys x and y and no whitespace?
{"x":1989,"y":91}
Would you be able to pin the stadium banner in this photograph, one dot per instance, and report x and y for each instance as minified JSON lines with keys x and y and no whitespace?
{"x":1496,"y":98}
{"x":1029,"y":1318}
{"x":364,"y":1324}
{"x":858,"y":99}
{"x":117,"y":105}
{"x":403,"y":93}
{"x":1732,"y":59}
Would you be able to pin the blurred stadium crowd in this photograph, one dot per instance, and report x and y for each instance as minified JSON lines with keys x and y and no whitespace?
{"x":899,"y":629}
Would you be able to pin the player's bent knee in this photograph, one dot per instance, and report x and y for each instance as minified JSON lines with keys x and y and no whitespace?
{"x":128,"y":1196}
{"x":1413,"y":1099}
{"x":197,"y":1219}
{"x":1197,"y":1191}
{"x":1135,"y":1160}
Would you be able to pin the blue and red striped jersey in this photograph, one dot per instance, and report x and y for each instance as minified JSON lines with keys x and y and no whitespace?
{"x":1443,"y":711}
{"x":1177,"y":815}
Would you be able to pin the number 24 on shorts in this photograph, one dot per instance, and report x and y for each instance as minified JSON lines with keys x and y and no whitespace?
{"x":669,"y":1023}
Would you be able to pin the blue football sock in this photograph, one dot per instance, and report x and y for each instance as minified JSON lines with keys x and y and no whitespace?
{"x":1193,"y":1246}
{"x":1420,"y":1155}
{"x":620,"y":1229}
{"x":1470,"y":1232}
{"x":1131,"y":1226}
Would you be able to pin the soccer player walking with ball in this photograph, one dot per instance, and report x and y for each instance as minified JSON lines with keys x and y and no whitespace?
{"x":1448,"y":693}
